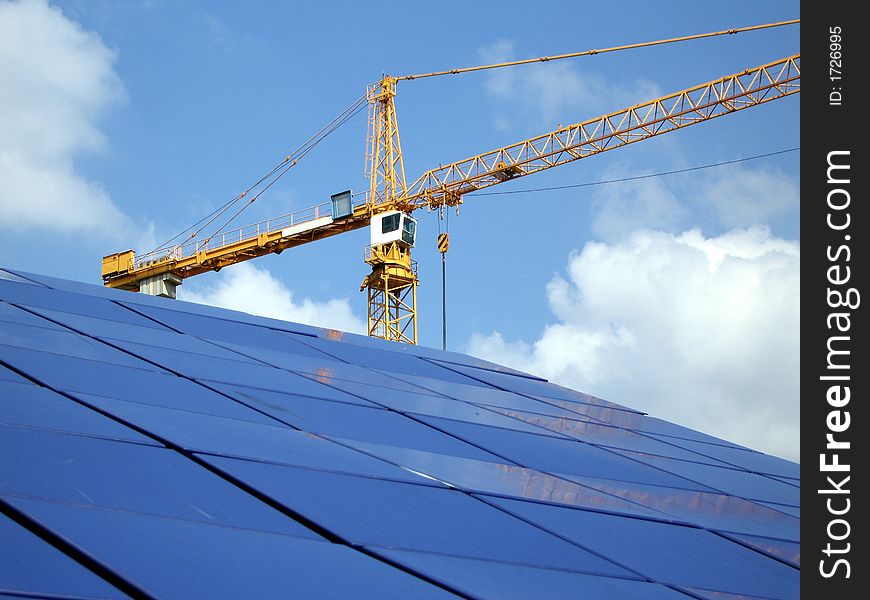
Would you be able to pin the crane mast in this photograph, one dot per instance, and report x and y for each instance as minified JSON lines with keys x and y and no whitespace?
{"x":392,"y":283}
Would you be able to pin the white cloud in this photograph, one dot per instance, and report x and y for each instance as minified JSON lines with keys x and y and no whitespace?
{"x":549,"y":93}
{"x":699,"y":331}
{"x":256,"y":291}
{"x":58,"y":81}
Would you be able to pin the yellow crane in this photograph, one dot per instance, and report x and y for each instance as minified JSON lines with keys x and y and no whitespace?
{"x":387,"y":207}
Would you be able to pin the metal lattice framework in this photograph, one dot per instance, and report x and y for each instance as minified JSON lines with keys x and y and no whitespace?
{"x":723,"y":96}
{"x":392,"y":287}
{"x":386,"y":168}
{"x":392,"y":293}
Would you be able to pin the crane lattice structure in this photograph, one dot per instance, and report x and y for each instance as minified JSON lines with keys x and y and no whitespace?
{"x":387,"y":207}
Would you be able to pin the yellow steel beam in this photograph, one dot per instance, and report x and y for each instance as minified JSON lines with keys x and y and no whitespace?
{"x":214,"y":259}
{"x":446,"y":184}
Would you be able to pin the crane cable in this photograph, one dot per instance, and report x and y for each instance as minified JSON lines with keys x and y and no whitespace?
{"x":635,"y":177}
{"x":292,"y":159}
{"x":281,"y":168}
{"x":526,"y":61}
{"x":443,"y":244}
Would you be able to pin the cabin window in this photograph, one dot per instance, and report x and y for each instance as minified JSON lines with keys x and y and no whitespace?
{"x":390,"y":223}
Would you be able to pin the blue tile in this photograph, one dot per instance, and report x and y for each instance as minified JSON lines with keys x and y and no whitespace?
{"x":448,"y":357}
{"x":656,"y":426}
{"x":129,"y":477}
{"x":789,"y":480}
{"x":222,"y":370}
{"x":504,"y":479}
{"x":32,"y":567}
{"x":28,"y":405}
{"x":11,"y":276}
{"x":227,"y":330}
{"x":67,"y":285}
{"x":384,"y":360}
{"x":612,"y":437}
{"x":114,"y":332}
{"x":370,"y":394}
{"x":484,"y":395}
{"x":14,"y":314}
{"x":553,"y":455}
{"x":784,"y":550}
{"x":302,"y":386}
{"x":372,"y":424}
{"x":665,"y":553}
{"x":581,"y":399}
{"x":244,"y":439}
{"x":705,"y":509}
{"x":618,"y":417}
{"x":58,"y":341}
{"x":749,"y":460}
{"x":9,"y":375}
{"x":488,"y":480}
{"x":325,"y":369}
{"x":41,"y":297}
{"x":727,"y":480}
{"x":420,"y":351}
{"x":192,"y":560}
{"x":795,"y":511}
{"x":142,"y":302}
{"x":522,"y":385}
{"x":718,"y":595}
{"x":66,"y":372}
{"x":448,"y":408}
{"x":491,"y":580}
{"x":81,"y":377}
{"x":392,"y":514}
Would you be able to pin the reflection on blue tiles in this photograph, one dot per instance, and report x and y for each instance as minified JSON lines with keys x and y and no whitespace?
{"x":553,"y":455}
{"x":705,"y":509}
{"x":504,"y":479}
{"x":671,"y":554}
{"x":251,"y":457}
{"x":785,"y":550}
{"x":276,"y":443}
{"x":731,"y":481}
{"x":393,"y":514}
{"x":611,"y":437}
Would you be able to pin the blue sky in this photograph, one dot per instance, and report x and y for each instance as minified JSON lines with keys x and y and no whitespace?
{"x":677,"y":294}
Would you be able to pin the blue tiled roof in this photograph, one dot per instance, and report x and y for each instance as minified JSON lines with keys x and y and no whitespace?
{"x":156,"y":448}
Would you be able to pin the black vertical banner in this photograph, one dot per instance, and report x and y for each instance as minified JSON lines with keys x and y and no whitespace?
{"x":834,"y":371}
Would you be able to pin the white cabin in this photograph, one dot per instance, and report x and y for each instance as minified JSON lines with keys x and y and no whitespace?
{"x":393,"y":226}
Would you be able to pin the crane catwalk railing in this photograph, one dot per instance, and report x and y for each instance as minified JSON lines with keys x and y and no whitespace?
{"x":225,"y":238}
{"x":446,"y":184}
{"x":703,"y":102}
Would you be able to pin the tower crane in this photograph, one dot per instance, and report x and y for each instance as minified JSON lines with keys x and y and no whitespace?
{"x":387,"y":208}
